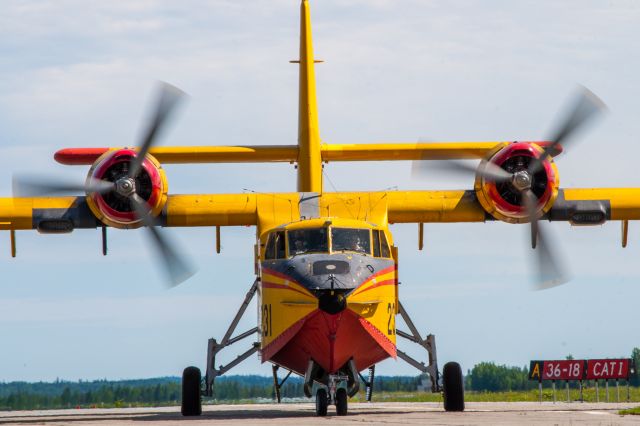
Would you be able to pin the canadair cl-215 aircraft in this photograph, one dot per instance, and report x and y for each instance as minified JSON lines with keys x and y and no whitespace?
{"x":325,"y":262}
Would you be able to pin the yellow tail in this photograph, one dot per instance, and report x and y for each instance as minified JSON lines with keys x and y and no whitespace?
{"x":309,"y":155}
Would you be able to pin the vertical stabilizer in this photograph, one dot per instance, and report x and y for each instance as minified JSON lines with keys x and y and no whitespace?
{"x":309,"y":156}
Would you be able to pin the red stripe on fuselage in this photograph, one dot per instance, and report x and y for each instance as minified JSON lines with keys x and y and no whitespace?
{"x":384,"y":271}
{"x":380,"y":284}
{"x":380,"y":272}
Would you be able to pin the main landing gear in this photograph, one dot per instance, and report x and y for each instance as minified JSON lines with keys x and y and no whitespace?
{"x":452,"y":386}
{"x":191,"y":401}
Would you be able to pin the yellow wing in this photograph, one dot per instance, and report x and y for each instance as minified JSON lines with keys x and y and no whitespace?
{"x":267,"y":210}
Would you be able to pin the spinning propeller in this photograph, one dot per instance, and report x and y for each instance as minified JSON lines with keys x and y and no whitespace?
{"x":125,"y":186}
{"x":586,"y":106}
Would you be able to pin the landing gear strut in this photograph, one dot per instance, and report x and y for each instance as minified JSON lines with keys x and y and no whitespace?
{"x":277,"y":384}
{"x":368,"y":394}
{"x":452,"y":385}
{"x":338,"y":395}
{"x":214,"y":347}
{"x":192,"y":390}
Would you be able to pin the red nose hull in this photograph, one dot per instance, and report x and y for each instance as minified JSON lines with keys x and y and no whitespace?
{"x":331,"y":341}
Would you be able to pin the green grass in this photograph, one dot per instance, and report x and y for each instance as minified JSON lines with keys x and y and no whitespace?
{"x":589,"y":395}
{"x":634,"y":411}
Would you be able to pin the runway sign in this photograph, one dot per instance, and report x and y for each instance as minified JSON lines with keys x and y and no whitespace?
{"x":557,"y":370}
{"x":608,"y":369}
{"x":593,"y":369}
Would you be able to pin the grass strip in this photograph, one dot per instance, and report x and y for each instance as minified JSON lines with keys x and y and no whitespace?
{"x":632,"y":411}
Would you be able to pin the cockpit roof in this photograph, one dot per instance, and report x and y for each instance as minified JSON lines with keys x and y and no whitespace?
{"x":320,"y":222}
{"x":328,"y":221}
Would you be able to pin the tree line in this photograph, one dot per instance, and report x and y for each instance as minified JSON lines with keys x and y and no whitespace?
{"x":160,"y":391}
{"x":105,"y":396}
{"x":485,"y":376}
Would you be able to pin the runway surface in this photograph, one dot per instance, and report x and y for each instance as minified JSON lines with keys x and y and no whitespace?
{"x":479,"y":413}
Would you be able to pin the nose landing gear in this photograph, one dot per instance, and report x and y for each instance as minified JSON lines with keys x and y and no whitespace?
{"x":336,"y":395}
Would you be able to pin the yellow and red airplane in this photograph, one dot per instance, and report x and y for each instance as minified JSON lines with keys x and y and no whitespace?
{"x":325,"y":262}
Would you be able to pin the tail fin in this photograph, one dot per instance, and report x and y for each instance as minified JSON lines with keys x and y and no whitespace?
{"x":309,"y":155}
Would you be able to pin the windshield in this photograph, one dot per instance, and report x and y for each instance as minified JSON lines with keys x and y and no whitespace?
{"x":351,"y":240}
{"x":308,"y":240}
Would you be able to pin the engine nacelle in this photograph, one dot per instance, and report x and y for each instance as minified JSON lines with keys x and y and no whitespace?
{"x":503,"y":200}
{"x":116,"y":210}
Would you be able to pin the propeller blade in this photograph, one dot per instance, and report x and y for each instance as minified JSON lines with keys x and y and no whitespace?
{"x":550,"y":272}
{"x":92,"y":185}
{"x":586,"y":106}
{"x":142,"y":211}
{"x":420,"y":168}
{"x":494,"y":172}
{"x":177,"y":268}
{"x":41,"y":187}
{"x":169,"y":96}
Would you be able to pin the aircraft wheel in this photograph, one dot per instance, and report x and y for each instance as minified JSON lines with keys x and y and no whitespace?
{"x":341,"y":402}
{"x":453,"y":387}
{"x":322,"y":402}
{"x":191,"y":402}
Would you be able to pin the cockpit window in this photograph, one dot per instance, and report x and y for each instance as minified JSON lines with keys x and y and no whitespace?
{"x":380,"y":245}
{"x":384,"y":252}
{"x":270,"y":252}
{"x":312,"y":240}
{"x":281,"y":251}
{"x":345,"y":239}
{"x":275,"y":246}
{"x":376,"y":243}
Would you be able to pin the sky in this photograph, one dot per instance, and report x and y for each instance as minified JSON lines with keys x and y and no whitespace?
{"x":81,"y":74}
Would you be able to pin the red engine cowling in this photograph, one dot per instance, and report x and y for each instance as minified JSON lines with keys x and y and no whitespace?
{"x":502,"y":199}
{"x":114,"y":209}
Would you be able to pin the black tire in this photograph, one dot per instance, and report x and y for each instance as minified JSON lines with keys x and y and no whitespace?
{"x":453,"y":387}
{"x":322,"y":402}
{"x":191,"y":402}
{"x":341,"y":402}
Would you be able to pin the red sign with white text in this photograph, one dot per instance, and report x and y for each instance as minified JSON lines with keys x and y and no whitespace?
{"x":608,"y":369}
{"x":563,"y":370}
